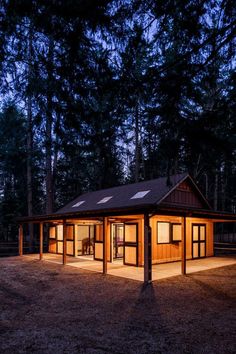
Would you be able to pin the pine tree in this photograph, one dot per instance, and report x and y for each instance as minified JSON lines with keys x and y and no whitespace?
{"x":13,"y":166}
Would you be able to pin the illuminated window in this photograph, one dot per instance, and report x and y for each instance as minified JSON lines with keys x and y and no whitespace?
{"x":104,"y":200}
{"x":163,"y":232}
{"x":140,"y":194}
{"x":59,"y":232}
{"x":70,"y":232}
{"x":176,"y":232}
{"x":78,"y":204}
{"x":52,"y":232}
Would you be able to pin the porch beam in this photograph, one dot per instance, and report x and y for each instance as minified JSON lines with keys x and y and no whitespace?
{"x":64,"y":242}
{"x":183,"y":251}
{"x":20,"y":240}
{"x":40,"y":241}
{"x":105,"y":223}
{"x":147,"y":250}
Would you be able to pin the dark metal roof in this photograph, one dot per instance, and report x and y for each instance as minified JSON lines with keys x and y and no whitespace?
{"x":122,"y":203}
{"x":122,"y":196}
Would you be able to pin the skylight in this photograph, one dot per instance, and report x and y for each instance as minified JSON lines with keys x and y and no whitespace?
{"x":140,"y":194}
{"x":78,"y":204}
{"x":104,"y":200}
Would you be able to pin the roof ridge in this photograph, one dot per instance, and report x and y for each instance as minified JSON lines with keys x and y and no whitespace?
{"x":134,"y":187}
{"x":133,"y":183}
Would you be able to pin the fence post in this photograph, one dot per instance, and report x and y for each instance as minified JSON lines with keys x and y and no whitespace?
{"x":20,"y":240}
{"x":41,"y":241}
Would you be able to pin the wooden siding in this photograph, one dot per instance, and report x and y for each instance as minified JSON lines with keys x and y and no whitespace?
{"x":52,"y":246}
{"x":161,"y":253}
{"x":170,"y":252}
{"x":164,"y":252}
{"x":184,"y":195}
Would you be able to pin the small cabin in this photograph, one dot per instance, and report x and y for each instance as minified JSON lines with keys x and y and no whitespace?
{"x":125,"y":239}
{"x":137,"y":224}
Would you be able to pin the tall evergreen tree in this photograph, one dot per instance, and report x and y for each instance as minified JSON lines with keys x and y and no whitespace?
{"x":13,"y":166}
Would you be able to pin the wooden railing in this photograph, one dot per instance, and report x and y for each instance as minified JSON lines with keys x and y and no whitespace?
{"x":11,"y":248}
{"x":225,"y":237}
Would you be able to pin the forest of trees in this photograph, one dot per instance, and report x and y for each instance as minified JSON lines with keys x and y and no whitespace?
{"x":97,"y":93}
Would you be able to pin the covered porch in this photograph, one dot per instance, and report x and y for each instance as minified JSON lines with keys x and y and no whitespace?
{"x":159,"y":271}
{"x":146,"y":226}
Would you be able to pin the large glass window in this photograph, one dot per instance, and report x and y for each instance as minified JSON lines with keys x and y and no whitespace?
{"x":52,"y":232}
{"x":131,"y":233}
{"x":163,"y":232}
{"x":176,"y":233}
{"x":60,"y":232}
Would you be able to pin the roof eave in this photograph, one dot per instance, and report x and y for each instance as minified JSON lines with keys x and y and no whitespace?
{"x":140,"y":209}
{"x":198,"y":213}
{"x":134,"y":210}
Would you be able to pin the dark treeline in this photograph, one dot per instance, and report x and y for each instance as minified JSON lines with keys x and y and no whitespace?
{"x":100,"y":93}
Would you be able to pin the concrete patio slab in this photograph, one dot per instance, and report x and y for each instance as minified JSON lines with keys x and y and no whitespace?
{"x":159,"y":271}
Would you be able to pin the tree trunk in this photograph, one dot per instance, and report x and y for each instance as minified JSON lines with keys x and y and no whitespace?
{"x":206,"y":185}
{"x":223,"y":186}
{"x":30,"y":142}
{"x":137,"y":157}
{"x":216,"y":191}
{"x":55,"y":158}
{"x":48,"y":140}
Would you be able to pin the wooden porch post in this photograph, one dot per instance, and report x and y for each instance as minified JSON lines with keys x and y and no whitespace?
{"x":104,"y":245}
{"x":20,"y":240}
{"x":41,"y":241}
{"x":147,"y":250}
{"x":183,"y":258}
{"x":64,"y":242}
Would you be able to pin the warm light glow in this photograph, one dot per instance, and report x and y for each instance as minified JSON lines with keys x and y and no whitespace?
{"x":176,"y":232}
{"x":131,"y":233}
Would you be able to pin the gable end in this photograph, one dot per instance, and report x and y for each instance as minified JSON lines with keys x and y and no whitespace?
{"x":186,"y":195}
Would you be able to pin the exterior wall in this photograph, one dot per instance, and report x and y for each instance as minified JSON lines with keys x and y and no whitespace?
{"x":161,"y":253}
{"x":52,"y":246}
{"x":164,"y":252}
{"x":170,"y":252}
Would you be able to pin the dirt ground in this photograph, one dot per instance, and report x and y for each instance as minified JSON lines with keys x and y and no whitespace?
{"x":48,"y":308}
